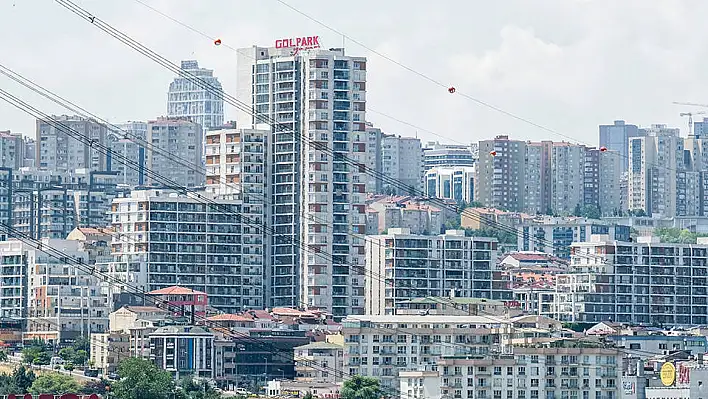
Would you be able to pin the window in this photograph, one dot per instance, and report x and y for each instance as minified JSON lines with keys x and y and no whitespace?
{"x":635,"y":346}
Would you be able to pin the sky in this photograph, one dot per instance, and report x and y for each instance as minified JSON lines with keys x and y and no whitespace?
{"x":565,"y":65}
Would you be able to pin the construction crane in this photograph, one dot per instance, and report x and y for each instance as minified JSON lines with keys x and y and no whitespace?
{"x":690,"y":120}
{"x":690,"y":114}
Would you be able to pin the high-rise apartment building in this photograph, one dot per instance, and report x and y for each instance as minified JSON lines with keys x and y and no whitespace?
{"x":60,"y":151}
{"x":12,"y":149}
{"x":401,"y":266}
{"x":190,"y":100}
{"x":500,"y":174}
{"x":401,"y":165}
{"x":127,"y":154}
{"x":179,"y":141}
{"x":236,"y":169}
{"x":610,"y":190}
{"x":654,"y":159}
{"x":171,"y":239}
{"x":374,"y":158}
{"x":315,"y":102}
{"x":616,"y":137}
{"x":567,"y":177}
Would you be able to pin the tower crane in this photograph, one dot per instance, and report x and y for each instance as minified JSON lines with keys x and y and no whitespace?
{"x":690,"y":114}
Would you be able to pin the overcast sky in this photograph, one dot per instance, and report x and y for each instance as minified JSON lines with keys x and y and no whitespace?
{"x":567,"y":65}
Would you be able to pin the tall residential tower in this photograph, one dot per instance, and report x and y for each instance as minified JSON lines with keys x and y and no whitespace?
{"x":314,"y":100}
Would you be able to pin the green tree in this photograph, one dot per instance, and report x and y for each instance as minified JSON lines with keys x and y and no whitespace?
{"x":141,"y":379}
{"x":67,"y":353}
{"x":23,"y":378}
{"x":82,"y":344}
{"x":591,"y":212}
{"x":54,"y":383}
{"x":3,"y":356}
{"x":359,"y":387}
{"x":308,"y":396}
{"x":69,"y":366}
{"x":8,"y":386}
{"x":80,"y":357}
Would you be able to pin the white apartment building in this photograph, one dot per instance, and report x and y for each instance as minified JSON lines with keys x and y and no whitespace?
{"x":316,"y":99}
{"x":189,"y":100}
{"x":166,"y":239}
{"x":175,"y":138}
{"x":12,"y":150}
{"x":382,"y":346}
{"x":401,"y":161}
{"x":532,"y":372}
{"x":13,"y":267}
{"x":64,"y":301}
{"x":644,"y":282}
{"x":236,"y":170}
{"x":437,"y":155}
{"x":320,"y":362}
{"x":400,"y":266}
{"x":126,"y":144}
{"x":59,"y":151}
{"x":450,"y":182}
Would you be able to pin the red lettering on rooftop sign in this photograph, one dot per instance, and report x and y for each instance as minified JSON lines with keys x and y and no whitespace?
{"x":299,"y":43}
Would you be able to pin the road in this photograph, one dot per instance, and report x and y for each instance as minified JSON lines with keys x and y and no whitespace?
{"x":77,"y":374}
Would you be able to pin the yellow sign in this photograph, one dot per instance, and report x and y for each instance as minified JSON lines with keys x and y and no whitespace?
{"x":668,"y":374}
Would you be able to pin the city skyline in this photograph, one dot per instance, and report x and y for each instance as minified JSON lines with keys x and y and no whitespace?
{"x":502,"y":36}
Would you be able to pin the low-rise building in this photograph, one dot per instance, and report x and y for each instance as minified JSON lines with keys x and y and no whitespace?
{"x":184,"y":351}
{"x":556,"y":370}
{"x":248,"y":358}
{"x":64,"y":300}
{"x":181,"y":301}
{"x":382,"y":346}
{"x":109,"y":349}
{"x":320,"y":362}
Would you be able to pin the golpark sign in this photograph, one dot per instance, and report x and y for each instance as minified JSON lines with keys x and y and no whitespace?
{"x":298,"y":43}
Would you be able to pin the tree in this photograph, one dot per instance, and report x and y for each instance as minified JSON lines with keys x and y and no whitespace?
{"x":577,"y":211}
{"x":7,"y":385}
{"x":80,"y":357}
{"x":42,"y":359}
{"x":590,"y":212}
{"x":69,"y":366}
{"x":359,"y":387}
{"x":54,"y":383}
{"x":3,"y":357}
{"x":23,"y":378}
{"x":308,"y":396}
{"x":141,"y":379}
{"x":67,"y":354}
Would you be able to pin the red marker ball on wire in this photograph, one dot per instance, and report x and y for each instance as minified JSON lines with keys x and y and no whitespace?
{"x":603,"y":149}
{"x":451,"y":89}
{"x":217,"y":42}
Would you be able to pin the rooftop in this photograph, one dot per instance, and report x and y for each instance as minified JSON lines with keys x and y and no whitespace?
{"x":176,"y":290}
{"x":320,"y":345}
{"x":428,"y":319}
